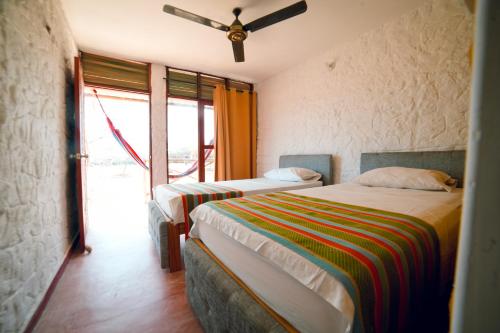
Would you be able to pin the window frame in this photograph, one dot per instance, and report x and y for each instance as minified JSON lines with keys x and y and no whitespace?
{"x":201,"y":138}
{"x":201,"y":102}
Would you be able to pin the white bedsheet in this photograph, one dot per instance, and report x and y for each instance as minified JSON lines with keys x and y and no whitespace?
{"x":171,"y":203}
{"x":265,"y":266}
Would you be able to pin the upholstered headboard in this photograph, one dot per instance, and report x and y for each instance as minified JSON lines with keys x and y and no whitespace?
{"x":451,"y":162}
{"x":321,"y":163}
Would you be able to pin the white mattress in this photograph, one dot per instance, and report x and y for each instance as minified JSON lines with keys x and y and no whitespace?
{"x":301,"y":292}
{"x":171,"y":203}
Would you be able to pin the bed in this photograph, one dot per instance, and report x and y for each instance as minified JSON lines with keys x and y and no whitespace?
{"x":242,"y":281}
{"x":166,"y":210}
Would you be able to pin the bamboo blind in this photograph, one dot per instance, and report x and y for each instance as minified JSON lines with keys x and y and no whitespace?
{"x":115,"y":73}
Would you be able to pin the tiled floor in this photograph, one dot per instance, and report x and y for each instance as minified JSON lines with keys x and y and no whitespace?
{"x":120,"y":286}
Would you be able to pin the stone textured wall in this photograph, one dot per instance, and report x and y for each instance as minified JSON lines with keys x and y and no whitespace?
{"x":403,"y":86}
{"x":36,"y":103}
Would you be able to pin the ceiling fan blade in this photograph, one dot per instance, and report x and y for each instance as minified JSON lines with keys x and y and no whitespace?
{"x":239,"y":53}
{"x":195,"y":18}
{"x":278,"y":16}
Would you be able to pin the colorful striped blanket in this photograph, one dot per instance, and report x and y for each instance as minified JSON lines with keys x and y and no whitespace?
{"x":195,"y":194}
{"x":386,"y":261}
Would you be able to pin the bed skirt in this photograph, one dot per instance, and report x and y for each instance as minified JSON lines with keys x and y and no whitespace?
{"x":220,"y":302}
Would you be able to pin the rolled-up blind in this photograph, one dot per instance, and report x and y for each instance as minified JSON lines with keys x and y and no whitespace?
{"x":208,"y":85}
{"x":182,"y":83}
{"x":115,"y":73}
{"x":238,"y":85}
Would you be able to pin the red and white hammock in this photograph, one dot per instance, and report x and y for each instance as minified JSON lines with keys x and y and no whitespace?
{"x":133,"y":154}
{"x":120,"y":139}
{"x":192,"y":168}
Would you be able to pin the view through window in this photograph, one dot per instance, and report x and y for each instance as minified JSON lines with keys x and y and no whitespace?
{"x":185,"y":140}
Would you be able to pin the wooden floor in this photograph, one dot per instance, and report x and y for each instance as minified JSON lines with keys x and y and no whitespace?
{"x":119,"y":287}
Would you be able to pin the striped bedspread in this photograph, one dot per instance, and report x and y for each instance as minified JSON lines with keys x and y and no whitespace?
{"x":195,"y":194}
{"x":386,"y":261}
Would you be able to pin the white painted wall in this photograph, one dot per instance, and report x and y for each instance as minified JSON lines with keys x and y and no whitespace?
{"x":158,"y":124}
{"x":403,"y":86}
{"x":477,"y":286}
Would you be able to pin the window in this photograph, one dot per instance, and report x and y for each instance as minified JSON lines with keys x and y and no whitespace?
{"x":190,"y":132}
{"x":182,"y":140}
{"x":191,"y":124}
{"x":209,"y":119}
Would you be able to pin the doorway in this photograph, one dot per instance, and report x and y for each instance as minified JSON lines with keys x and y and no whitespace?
{"x":118,"y":188}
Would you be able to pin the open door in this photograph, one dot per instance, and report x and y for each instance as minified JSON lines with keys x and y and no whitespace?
{"x":80,"y":155}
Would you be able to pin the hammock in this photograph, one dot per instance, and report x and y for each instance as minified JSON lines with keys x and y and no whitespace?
{"x":121,"y":140}
{"x":132,"y":153}
{"x":193,"y":167}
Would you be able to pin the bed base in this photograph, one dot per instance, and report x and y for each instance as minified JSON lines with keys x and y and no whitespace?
{"x":220,"y":300}
{"x":166,"y":237}
{"x":223,"y":303}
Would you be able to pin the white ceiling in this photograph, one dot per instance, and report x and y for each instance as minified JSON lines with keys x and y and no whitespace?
{"x":140,"y":30}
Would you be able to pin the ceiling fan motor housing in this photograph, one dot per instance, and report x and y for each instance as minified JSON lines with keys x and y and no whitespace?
{"x":236,"y":32}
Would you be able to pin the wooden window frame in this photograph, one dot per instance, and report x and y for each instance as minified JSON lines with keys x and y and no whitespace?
{"x":202,"y":146}
{"x":201,"y":103}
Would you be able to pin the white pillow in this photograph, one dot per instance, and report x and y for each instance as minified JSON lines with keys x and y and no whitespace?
{"x":292,"y":174}
{"x":399,"y":177}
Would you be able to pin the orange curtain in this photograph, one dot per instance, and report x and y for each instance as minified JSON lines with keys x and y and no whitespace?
{"x":236,"y":133}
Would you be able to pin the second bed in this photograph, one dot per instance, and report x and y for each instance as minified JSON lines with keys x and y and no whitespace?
{"x":167,"y":212}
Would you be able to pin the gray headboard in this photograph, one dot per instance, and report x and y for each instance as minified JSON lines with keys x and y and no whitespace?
{"x":321,"y":163}
{"x":452,"y":162}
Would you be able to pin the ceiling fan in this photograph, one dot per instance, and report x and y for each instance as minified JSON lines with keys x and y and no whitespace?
{"x":237,"y":32}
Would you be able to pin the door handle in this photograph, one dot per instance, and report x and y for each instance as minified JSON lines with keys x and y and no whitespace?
{"x":78,"y":156}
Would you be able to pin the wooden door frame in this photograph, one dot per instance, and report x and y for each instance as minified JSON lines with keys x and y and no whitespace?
{"x":79,"y":96}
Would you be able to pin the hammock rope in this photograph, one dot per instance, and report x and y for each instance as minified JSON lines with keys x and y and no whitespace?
{"x":120,"y":139}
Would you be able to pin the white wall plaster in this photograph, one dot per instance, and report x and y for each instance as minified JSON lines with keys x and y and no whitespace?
{"x":36,"y":73}
{"x":403,"y":86}
{"x":159,"y":124}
